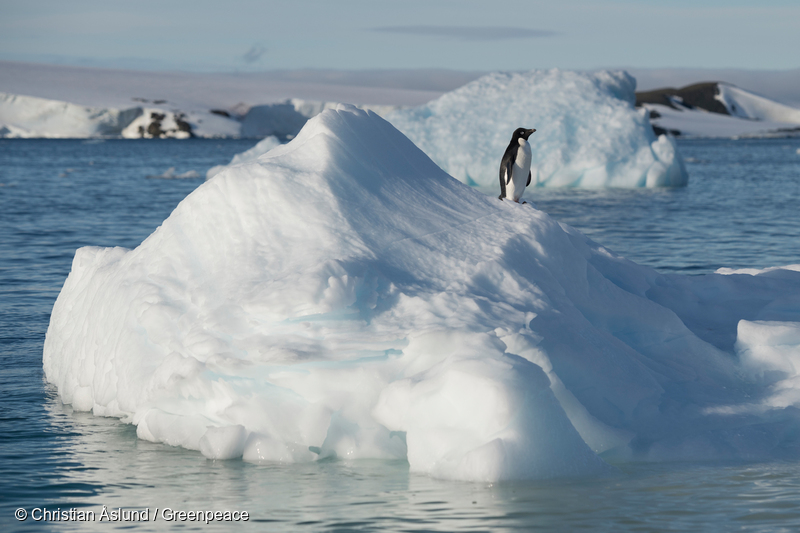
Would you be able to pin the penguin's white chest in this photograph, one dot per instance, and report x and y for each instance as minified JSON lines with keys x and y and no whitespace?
{"x":519,"y":171}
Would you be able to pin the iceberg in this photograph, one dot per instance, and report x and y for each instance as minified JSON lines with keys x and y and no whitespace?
{"x":588,"y":132}
{"x":28,"y":116}
{"x":341,"y":296}
{"x":31,"y":117}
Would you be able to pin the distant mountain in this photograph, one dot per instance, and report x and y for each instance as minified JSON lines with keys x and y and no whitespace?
{"x":717,"y":109}
{"x":702,"y":95}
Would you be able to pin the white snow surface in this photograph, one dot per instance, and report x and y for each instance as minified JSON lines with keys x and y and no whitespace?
{"x":262,"y":147}
{"x":745,"y":104}
{"x":700,"y":123}
{"x":588,"y":132}
{"x":341,"y":295}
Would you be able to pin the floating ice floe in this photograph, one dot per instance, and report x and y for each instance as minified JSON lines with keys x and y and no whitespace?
{"x":588,"y":132}
{"x":341,"y":296}
{"x":170,"y":174}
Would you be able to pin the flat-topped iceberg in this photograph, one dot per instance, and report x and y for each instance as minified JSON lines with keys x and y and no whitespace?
{"x":588,"y":132}
{"x":27,"y":116}
{"x":342,"y":296}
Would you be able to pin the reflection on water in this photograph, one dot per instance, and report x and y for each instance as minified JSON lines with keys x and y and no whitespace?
{"x":102,"y":463}
{"x":738,"y":211}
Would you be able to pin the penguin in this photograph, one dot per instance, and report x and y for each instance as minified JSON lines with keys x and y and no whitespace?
{"x":515,"y":167}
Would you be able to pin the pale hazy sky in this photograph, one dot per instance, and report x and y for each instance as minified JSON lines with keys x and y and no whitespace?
{"x":202,"y":35}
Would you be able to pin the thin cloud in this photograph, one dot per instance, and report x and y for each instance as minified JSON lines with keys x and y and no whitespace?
{"x":254,"y":54}
{"x":469,"y":33}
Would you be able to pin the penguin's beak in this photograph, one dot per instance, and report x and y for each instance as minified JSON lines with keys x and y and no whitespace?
{"x":528,"y":132}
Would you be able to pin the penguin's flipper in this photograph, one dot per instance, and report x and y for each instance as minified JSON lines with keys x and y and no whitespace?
{"x":509,"y":166}
{"x":529,"y":178}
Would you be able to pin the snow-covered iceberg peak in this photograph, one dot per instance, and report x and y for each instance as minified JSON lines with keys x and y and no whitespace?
{"x":341,"y":295}
{"x":588,"y":132}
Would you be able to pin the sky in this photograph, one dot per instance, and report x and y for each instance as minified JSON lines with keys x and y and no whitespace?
{"x":471,"y":35}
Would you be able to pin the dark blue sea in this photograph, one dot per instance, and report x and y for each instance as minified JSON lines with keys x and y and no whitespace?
{"x":739,"y":210}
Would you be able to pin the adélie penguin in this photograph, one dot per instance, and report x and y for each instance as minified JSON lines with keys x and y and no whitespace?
{"x":515,"y":168}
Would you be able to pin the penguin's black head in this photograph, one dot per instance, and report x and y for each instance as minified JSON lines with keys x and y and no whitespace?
{"x":522,"y":132}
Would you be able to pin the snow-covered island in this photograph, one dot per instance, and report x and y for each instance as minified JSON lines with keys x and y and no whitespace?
{"x":717,"y":109}
{"x":342,"y":296}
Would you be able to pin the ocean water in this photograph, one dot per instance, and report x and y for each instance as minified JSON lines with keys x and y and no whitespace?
{"x":739,"y":210}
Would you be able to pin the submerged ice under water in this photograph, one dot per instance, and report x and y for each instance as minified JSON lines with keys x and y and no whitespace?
{"x":55,"y":457}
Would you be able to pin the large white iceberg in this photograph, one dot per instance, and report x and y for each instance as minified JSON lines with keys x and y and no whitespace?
{"x":341,"y":296}
{"x":588,"y":132}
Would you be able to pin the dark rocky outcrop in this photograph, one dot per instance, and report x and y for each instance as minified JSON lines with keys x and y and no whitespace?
{"x":182,"y":124}
{"x":154,"y":129}
{"x":157,"y":129}
{"x":658,"y":130}
{"x":700,"y":95}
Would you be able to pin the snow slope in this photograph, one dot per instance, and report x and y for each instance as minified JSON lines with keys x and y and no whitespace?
{"x":262,"y":147}
{"x":745,"y":104}
{"x":342,"y":296}
{"x":588,"y":132}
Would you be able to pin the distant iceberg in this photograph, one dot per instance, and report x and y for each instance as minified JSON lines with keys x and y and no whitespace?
{"x":588,"y":132}
{"x":341,"y":296}
{"x":28,"y":116}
